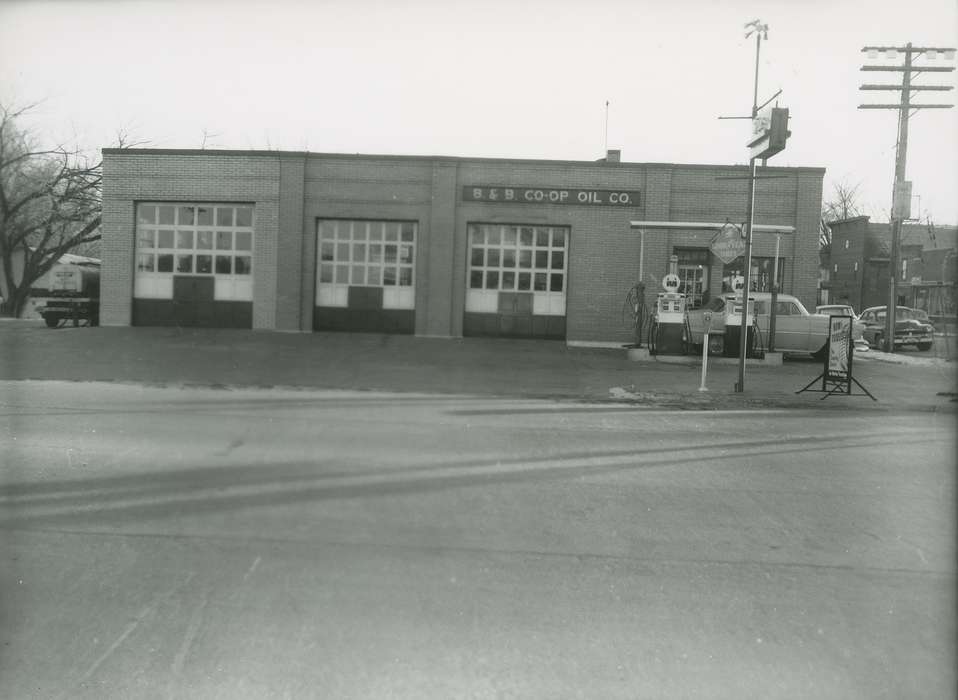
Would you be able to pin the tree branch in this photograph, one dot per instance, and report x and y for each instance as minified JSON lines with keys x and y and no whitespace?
{"x":50,"y":202}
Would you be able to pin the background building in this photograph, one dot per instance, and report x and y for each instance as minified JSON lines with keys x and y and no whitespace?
{"x":859,"y":258}
{"x":435,"y":246}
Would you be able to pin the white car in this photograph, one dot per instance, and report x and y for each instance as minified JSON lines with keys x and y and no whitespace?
{"x":861,"y":345}
{"x":796,"y":330}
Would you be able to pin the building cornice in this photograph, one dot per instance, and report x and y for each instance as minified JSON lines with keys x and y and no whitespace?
{"x":451,"y":159}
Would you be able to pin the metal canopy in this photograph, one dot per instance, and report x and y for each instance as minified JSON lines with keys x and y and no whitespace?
{"x":763,"y":228}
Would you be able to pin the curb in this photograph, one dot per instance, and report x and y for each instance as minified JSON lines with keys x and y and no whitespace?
{"x":771,"y":359}
{"x":746,"y":401}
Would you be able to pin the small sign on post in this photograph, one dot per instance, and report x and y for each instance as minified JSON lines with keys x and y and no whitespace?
{"x":901,"y":200}
{"x":836,"y":375}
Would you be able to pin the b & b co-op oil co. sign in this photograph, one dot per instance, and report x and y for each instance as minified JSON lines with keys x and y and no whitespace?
{"x":550,"y":195}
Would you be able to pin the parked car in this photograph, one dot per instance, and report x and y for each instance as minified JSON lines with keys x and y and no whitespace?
{"x":861,"y":344}
{"x":796,"y":330}
{"x":836,"y":310}
{"x":910,"y":329}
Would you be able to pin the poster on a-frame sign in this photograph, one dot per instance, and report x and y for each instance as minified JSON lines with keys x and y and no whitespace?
{"x":836,"y":375}
{"x":841,"y":351}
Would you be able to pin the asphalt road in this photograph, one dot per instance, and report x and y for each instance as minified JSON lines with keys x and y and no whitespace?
{"x":199,"y":543}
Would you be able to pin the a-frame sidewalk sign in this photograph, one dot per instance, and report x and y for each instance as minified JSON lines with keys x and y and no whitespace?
{"x":836,"y":375}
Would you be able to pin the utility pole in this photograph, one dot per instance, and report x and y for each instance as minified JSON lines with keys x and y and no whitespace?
{"x":901,"y":190}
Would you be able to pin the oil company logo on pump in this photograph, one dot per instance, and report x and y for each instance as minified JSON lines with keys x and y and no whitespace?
{"x":728,"y":243}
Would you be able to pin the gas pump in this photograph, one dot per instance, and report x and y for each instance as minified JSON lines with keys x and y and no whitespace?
{"x":733,"y":322}
{"x":669,"y":334}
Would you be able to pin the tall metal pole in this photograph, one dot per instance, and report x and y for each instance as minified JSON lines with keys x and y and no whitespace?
{"x":771,"y":311}
{"x":901,"y":154}
{"x":749,"y":217}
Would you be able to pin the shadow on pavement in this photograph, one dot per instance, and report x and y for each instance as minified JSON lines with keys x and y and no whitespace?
{"x":204,"y":490}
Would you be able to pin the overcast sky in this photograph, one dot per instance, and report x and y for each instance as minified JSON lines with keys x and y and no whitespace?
{"x":499,"y":78}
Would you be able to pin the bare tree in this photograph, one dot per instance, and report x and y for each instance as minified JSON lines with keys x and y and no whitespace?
{"x":843,"y":204}
{"x":50,"y":202}
{"x":824,"y":234}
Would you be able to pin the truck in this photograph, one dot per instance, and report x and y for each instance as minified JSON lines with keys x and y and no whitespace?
{"x":72,"y":293}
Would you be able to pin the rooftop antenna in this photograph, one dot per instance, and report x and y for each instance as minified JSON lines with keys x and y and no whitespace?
{"x":607,"y":127}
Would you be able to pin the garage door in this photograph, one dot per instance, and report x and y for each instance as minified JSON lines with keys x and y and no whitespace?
{"x":366,"y":275}
{"x":194,"y":265}
{"x":517,"y":281}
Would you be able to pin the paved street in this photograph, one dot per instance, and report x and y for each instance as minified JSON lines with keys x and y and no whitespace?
{"x":238,"y":543}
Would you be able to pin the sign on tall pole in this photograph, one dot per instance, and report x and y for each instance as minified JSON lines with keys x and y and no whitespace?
{"x":769,"y":133}
{"x":768,"y":138}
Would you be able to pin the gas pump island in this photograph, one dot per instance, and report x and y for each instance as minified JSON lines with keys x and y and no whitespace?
{"x":671,"y":326}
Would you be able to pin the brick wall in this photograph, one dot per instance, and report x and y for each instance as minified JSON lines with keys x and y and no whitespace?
{"x":289,"y":244}
{"x":291,"y":191}
{"x":851,"y":245}
{"x":807,"y":222}
{"x":145,"y":175}
{"x":437,"y":248}
{"x":603,"y":250}
{"x":390,"y":188}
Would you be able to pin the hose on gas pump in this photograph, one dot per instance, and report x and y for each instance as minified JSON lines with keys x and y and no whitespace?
{"x":758,"y":343}
{"x":634,"y":305}
{"x":687,"y":336}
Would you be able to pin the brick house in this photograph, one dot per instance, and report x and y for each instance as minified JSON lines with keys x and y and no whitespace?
{"x":859,"y":258}
{"x":436,"y":246}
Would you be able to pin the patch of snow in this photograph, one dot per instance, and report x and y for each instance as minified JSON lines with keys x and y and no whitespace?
{"x":904,"y":358}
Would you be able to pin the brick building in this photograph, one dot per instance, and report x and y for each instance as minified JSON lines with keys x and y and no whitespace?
{"x":436,"y":246}
{"x":859,"y":257}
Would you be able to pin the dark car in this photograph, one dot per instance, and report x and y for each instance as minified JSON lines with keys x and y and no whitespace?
{"x":909,"y":328}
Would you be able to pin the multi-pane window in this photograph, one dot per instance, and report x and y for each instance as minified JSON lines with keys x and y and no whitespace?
{"x":194,"y":239}
{"x":761,"y":276}
{"x":518,"y":258}
{"x":207,"y":239}
{"x":693,"y":271}
{"x":367,"y":253}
